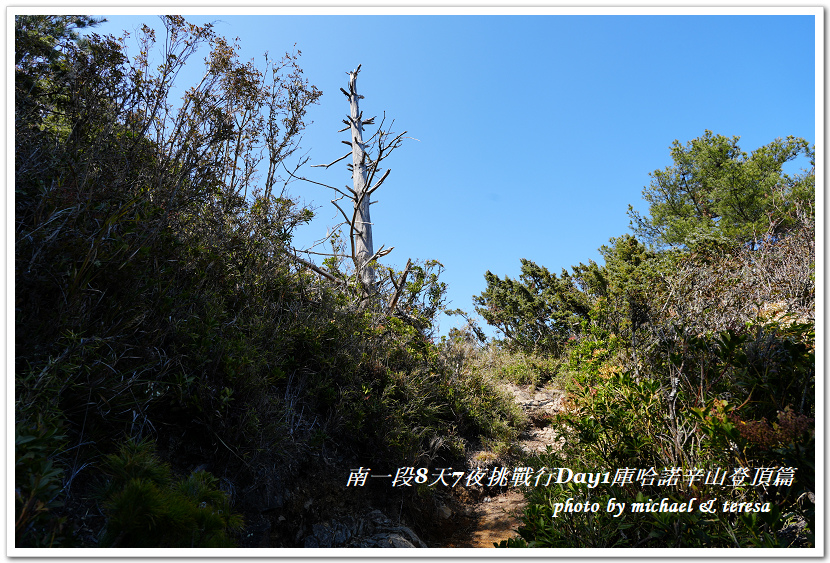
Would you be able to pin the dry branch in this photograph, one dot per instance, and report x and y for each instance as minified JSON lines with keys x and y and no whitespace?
{"x":312,"y":267}
{"x":398,"y":288}
{"x":376,"y":186}
{"x":331,"y":163}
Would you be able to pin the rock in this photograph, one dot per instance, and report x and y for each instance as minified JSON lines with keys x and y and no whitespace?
{"x":341,"y":535}
{"x":323,"y":534}
{"x":412,"y":537}
{"x":257,"y":533}
{"x":373,"y":530}
{"x":444,"y":512}
{"x":378,"y":518}
{"x":329,"y":534}
{"x":393,"y":540}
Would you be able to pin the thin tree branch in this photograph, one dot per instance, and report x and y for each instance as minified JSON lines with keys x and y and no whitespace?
{"x":376,"y":186}
{"x":306,"y":179}
{"x":398,"y":288}
{"x":313,"y":267}
{"x":380,"y":254}
{"x":343,"y":212}
{"x":331,"y":163}
{"x":344,"y":194}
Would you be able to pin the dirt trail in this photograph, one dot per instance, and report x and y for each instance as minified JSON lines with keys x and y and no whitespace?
{"x":491,"y":519}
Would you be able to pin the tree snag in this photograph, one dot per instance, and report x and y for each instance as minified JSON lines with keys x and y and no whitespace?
{"x":366,"y":158}
{"x":361,"y":224}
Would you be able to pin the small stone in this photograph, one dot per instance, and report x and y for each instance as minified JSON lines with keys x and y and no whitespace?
{"x":415,"y":540}
{"x":394,"y":540}
{"x":324,"y":535}
{"x":341,"y":535}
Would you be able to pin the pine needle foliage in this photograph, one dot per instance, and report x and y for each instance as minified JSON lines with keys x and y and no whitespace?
{"x":146,"y":507}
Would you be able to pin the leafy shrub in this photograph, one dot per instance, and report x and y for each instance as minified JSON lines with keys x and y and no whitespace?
{"x":38,"y":483}
{"x":411,"y":402}
{"x":622,"y":421}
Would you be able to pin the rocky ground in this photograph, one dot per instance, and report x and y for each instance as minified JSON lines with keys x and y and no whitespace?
{"x":481,"y":518}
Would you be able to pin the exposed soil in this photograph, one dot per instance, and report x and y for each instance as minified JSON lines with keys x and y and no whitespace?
{"x":493,"y":519}
{"x":482,"y":518}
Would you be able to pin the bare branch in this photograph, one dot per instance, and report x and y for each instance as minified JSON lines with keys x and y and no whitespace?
{"x":341,"y":211}
{"x":334,"y":254}
{"x":306,"y":179}
{"x":313,"y":267}
{"x":380,"y":253}
{"x":376,"y":186}
{"x":328,"y":236}
{"x":343,"y":193}
{"x":331,"y":163}
{"x":399,"y":287}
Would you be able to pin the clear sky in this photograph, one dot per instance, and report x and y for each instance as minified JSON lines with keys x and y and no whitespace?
{"x":534,"y":132}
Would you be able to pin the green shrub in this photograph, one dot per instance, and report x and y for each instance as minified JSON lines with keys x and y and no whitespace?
{"x":146,"y":507}
{"x":618,"y":420}
{"x":38,"y":484}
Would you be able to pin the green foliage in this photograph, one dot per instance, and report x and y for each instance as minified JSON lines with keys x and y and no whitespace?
{"x":539,"y":312}
{"x":614,"y":420}
{"x":412,"y":402}
{"x":154,"y":295}
{"x":153,"y":290}
{"x":697,"y":356}
{"x":523,"y":369}
{"x":634,"y":277}
{"x":147,"y":508}
{"x":536,"y":312}
{"x":423,"y":297}
{"x":38,"y":483}
{"x":41,"y":67}
{"x":593,"y":353}
{"x":511,"y":542}
{"x":714,"y":188}
{"x":516,"y":367}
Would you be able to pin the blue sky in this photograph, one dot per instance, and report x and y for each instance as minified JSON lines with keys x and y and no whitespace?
{"x":534,"y":132}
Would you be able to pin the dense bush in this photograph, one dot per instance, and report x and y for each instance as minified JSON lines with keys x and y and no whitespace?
{"x":146,"y":508}
{"x":716,"y":410}
{"x":157,"y":296}
{"x":697,"y":356}
{"x":37,"y":485}
{"x":158,"y":302}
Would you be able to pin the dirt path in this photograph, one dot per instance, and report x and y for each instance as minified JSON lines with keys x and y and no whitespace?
{"x":491,"y":519}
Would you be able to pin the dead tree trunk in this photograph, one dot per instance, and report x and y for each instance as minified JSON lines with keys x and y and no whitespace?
{"x":367,"y":156}
{"x":361,"y":224}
